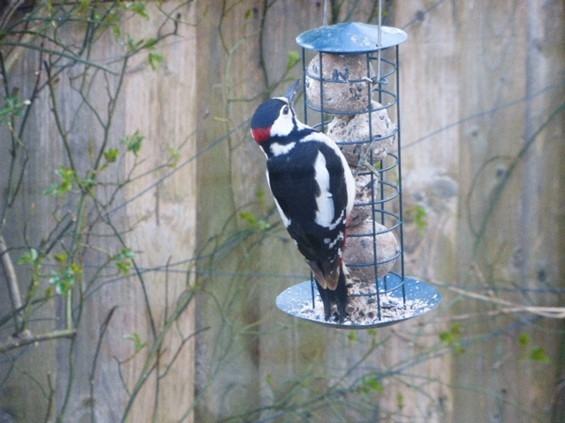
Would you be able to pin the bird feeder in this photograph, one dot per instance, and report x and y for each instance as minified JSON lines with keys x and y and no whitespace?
{"x":351,"y":85}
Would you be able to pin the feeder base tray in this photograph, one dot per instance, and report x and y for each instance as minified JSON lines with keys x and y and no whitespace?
{"x":420,"y":298}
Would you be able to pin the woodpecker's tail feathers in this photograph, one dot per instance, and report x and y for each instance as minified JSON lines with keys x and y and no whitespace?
{"x":337,"y":296}
{"x":326,"y":273}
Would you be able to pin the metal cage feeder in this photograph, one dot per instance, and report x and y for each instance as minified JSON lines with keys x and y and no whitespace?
{"x":351,"y":87}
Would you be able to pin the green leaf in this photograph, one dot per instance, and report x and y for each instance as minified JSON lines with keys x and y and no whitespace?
{"x":293,"y":59}
{"x":419,"y":215}
{"x":370,"y":384}
{"x":64,"y":279}
{"x":123,"y":261}
{"x":175,"y":157}
{"x":84,"y":7}
{"x":452,"y":337}
{"x":150,"y":43}
{"x":117,"y":30}
{"x":138,"y":343}
{"x":248,"y":217}
{"x":254,"y":222}
{"x":133,"y":142}
{"x":29,"y":257}
{"x":270,"y":381}
{"x":523,"y":339}
{"x":539,"y":354}
{"x":67,"y":177}
{"x":13,"y":106}
{"x":400,"y":400}
{"x":61,"y":258}
{"x":155,"y":59}
{"x":111,"y":155}
{"x":138,"y":8}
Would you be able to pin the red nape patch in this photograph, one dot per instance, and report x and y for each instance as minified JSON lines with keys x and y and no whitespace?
{"x":261,"y":134}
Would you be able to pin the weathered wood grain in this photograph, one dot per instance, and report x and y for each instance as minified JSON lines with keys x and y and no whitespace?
{"x":155,"y":216}
{"x":482,"y":131}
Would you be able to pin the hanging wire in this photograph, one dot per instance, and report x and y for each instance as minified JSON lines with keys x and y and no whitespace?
{"x":379,"y":40}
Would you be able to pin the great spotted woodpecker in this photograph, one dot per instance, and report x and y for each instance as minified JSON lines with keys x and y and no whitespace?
{"x":314,"y":192}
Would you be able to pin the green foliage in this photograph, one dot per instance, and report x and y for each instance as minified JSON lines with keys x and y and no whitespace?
{"x":29,"y":257}
{"x":124,"y":261}
{"x":539,"y":354}
{"x":400,"y":401}
{"x":12,"y":107}
{"x":254,"y":222}
{"x":68,"y":181}
{"x":175,"y":157}
{"x":419,"y":215}
{"x":155,"y":59}
{"x":370,"y":384}
{"x":67,"y":178}
{"x":137,"y":7}
{"x":69,"y":257}
{"x":262,"y":200}
{"x":133,"y":142}
{"x":111,"y":155}
{"x":453,"y":337}
{"x":64,"y":278}
{"x":138,"y":343}
{"x":293,"y":60}
{"x":524,"y":340}
{"x":534,"y":353}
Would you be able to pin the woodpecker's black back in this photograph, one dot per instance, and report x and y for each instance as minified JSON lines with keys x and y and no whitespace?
{"x":293,"y":184}
{"x":313,"y":188}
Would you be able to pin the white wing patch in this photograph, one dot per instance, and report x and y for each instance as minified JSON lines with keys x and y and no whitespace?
{"x":324,"y":201}
{"x":349,"y":180}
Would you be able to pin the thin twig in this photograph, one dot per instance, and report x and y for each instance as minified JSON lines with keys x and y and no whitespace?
{"x":7,"y":10}
{"x":509,"y":306}
{"x":11,"y":281}
{"x":26,"y":338}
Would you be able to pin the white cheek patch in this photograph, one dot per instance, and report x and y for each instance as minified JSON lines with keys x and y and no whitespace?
{"x":324,"y":201}
{"x":283,"y":125}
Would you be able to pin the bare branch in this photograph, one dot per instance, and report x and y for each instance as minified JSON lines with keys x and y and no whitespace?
{"x":26,"y":338}
{"x":11,"y":280}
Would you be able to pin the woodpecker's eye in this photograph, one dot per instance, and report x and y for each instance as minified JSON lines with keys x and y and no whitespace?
{"x":285,"y":110}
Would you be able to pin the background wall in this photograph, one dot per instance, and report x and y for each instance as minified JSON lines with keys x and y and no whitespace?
{"x":192,"y":333}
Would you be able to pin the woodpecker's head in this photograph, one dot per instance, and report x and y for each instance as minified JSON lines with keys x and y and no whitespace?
{"x":275,"y":118}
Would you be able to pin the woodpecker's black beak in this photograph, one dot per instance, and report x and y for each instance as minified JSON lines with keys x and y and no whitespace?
{"x":291,"y":93}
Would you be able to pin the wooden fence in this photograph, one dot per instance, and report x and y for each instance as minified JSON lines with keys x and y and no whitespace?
{"x":482,"y":104}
